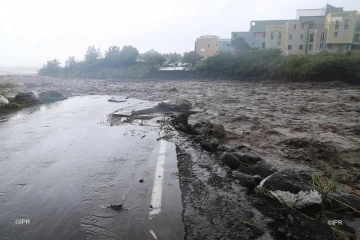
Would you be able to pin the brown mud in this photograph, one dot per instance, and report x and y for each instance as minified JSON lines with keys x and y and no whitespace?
{"x":311,"y":126}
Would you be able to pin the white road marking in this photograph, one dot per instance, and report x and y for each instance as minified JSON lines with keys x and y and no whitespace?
{"x":153,"y":234}
{"x":156,"y":196}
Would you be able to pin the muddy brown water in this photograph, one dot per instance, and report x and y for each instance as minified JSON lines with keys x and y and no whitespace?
{"x":62,"y":165}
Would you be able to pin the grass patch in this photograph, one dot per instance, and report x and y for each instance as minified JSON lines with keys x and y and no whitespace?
{"x":324,"y":184}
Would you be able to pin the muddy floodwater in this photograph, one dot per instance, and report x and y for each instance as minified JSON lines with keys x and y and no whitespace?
{"x":291,"y":124}
{"x":63,"y":165}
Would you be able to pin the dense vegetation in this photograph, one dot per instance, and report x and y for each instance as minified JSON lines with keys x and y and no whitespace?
{"x":117,"y":63}
{"x":245,"y":63}
{"x":272,"y":65}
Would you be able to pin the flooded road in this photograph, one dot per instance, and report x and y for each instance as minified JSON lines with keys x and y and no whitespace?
{"x":62,"y":165}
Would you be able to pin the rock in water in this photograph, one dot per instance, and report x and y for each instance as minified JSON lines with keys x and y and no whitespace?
{"x":264,"y":169}
{"x":177,"y":105}
{"x":248,"y":158}
{"x":290,"y":187}
{"x":3,"y":101}
{"x":28,"y":98}
{"x":245,"y":180}
{"x":230,"y":160}
{"x":51,"y":96}
{"x":347,"y":199}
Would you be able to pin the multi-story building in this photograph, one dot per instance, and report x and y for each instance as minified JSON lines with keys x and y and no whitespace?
{"x":314,"y":30}
{"x":207,"y":46}
{"x":225,"y":45}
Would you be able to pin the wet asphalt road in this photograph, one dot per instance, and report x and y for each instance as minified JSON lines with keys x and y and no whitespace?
{"x":62,"y":165}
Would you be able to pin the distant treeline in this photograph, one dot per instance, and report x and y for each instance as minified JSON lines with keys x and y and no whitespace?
{"x":252,"y":64}
{"x":125,"y":63}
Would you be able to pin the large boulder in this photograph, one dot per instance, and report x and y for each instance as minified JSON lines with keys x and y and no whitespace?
{"x":248,"y":158}
{"x":290,"y":187}
{"x":26,"y":98}
{"x":346,"y":199}
{"x":3,"y":101}
{"x":176,"y":105}
{"x":264,"y":169}
{"x":230,"y":160}
{"x":245,"y":180}
{"x":51,"y":96}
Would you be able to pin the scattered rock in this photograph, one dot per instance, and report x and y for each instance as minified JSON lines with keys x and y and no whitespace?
{"x":245,"y":180}
{"x":173,"y":90}
{"x":230,"y":160}
{"x":291,"y":219}
{"x":141,"y":180}
{"x":177,"y":105}
{"x":246,"y":170}
{"x":209,"y":129}
{"x":3,"y":101}
{"x":51,"y":96}
{"x":29,"y":98}
{"x":210,"y":146}
{"x":258,"y":179}
{"x":289,"y":187}
{"x":264,"y":169}
{"x":248,"y":158}
{"x":348,"y":199}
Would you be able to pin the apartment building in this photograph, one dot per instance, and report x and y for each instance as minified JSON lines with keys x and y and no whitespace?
{"x":314,"y":30}
{"x":225,"y":45}
{"x":207,"y":46}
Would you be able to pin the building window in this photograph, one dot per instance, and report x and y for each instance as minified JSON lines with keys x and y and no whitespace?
{"x":263,"y":45}
{"x":253,"y":44}
{"x":264,"y":34}
{"x":329,"y":46}
{"x":346,"y":24}
{"x":336,"y":34}
{"x":235,"y":35}
{"x":216,"y":44}
{"x":289,"y":47}
{"x":358,"y":26}
{"x":357,"y":37}
{"x":302,"y":26}
{"x":310,"y":47}
{"x":216,"y":51}
{"x":279,"y":36}
{"x":228,"y":45}
{"x":252,"y":23}
{"x":208,"y":45}
{"x":322,"y":36}
{"x":311,"y":38}
{"x":301,"y":47}
{"x":254,"y":35}
{"x":279,"y":43}
{"x":272,"y":35}
{"x":321,"y":45}
{"x":294,"y":26}
{"x":337,"y":23}
{"x":301,"y":36}
{"x":290,"y":37}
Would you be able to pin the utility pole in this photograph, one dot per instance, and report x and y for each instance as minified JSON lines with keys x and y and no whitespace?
{"x":307,"y":39}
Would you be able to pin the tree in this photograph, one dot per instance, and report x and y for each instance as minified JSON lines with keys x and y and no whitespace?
{"x":92,"y":54}
{"x":153,"y":57}
{"x":191,"y":57}
{"x":172,"y":57}
{"x":240,"y":45}
{"x":51,"y":68}
{"x":70,"y":63}
{"x":112,"y":51}
{"x":129,"y":55}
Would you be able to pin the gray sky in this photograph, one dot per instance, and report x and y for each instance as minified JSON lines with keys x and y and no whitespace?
{"x":34,"y":31}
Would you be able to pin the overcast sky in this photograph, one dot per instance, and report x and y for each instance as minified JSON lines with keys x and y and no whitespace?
{"x":34,"y":31}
